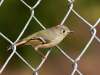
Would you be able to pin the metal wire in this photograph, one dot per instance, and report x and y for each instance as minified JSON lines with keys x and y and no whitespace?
{"x":1,"y":2}
{"x":32,"y":16}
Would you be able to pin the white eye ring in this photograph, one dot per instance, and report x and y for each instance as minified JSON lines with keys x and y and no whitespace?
{"x":63,"y":31}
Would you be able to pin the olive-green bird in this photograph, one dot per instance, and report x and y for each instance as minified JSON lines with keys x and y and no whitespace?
{"x":45,"y":38}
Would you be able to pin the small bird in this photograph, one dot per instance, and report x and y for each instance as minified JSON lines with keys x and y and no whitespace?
{"x":45,"y":38}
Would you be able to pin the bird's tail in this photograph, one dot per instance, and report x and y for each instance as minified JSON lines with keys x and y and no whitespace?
{"x":17,"y":44}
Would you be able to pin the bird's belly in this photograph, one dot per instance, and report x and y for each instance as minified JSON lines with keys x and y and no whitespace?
{"x":52,"y":43}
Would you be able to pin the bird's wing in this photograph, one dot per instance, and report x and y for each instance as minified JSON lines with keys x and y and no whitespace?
{"x":35,"y":41}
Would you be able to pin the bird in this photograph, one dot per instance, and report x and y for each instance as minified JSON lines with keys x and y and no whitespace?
{"x":46,"y":38}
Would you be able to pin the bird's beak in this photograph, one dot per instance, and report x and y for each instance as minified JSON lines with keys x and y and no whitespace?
{"x":70,"y":31}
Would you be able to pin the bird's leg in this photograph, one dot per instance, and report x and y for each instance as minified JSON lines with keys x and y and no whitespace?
{"x":39,"y":52}
{"x":38,"y":46}
{"x":39,"y":39}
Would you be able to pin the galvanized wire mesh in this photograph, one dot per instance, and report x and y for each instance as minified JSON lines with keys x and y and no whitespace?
{"x":32,"y":16}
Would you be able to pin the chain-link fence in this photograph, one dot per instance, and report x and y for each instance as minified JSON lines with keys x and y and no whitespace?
{"x":32,"y":16}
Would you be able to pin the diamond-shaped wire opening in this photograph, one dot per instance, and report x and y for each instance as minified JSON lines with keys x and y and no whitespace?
{"x":80,"y":55}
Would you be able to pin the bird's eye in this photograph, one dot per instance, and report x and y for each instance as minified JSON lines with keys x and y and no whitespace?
{"x":63,"y":31}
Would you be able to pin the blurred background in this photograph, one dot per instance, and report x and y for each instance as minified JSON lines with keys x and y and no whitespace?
{"x":14,"y":15}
